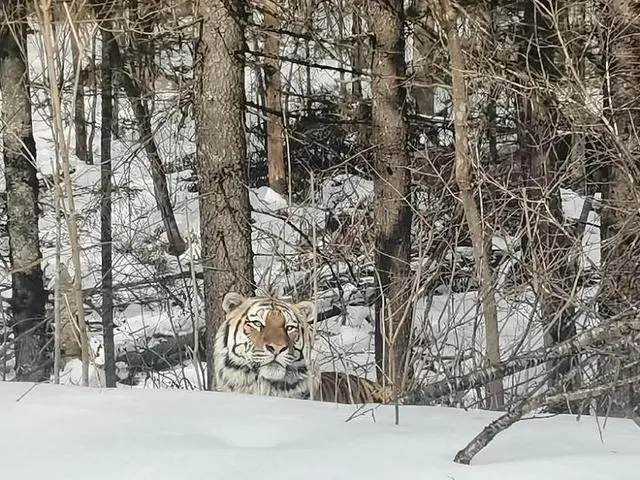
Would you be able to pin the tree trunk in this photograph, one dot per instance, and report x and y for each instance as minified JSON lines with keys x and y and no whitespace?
{"x":392,"y":207}
{"x":225,"y":213}
{"x":422,"y":89}
{"x":546,"y":247}
{"x":28,"y":296}
{"x":358,"y":56}
{"x":79,"y":120}
{"x":620,"y":218}
{"x":273,"y":99}
{"x":105,"y":211}
{"x":69,"y":329}
{"x":464,"y":180}
{"x":63,"y":171}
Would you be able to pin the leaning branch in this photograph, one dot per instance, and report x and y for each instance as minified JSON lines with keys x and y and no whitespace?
{"x":177,"y":245}
{"x":548,"y":399}
{"x":597,"y":335}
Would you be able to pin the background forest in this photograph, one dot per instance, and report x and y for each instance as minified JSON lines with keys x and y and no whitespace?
{"x":454,"y":183}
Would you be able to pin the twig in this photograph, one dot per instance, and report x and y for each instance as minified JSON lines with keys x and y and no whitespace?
{"x":27,"y":391}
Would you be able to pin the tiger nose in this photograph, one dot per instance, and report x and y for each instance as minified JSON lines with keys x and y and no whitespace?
{"x":275,"y":349}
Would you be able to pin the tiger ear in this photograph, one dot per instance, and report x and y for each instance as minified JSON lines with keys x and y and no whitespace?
{"x":308,"y":310}
{"x":231,"y":301}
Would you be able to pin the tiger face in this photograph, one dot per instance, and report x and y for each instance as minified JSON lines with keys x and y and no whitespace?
{"x":263,"y":346}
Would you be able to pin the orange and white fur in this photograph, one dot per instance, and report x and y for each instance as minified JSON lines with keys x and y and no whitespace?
{"x":264,"y":347}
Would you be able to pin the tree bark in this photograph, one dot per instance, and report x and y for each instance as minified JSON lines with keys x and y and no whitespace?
{"x":358,"y":56}
{"x":392,"y":204}
{"x":424,"y":51}
{"x":273,"y":99}
{"x":464,"y":179}
{"x":28,"y":296}
{"x":69,"y":329}
{"x":546,"y":247}
{"x":620,"y":217}
{"x":225,"y":215}
{"x":79,"y":120}
{"x":105,"y":211}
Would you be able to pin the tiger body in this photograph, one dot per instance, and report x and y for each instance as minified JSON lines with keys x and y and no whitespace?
{"x":264,"y":347}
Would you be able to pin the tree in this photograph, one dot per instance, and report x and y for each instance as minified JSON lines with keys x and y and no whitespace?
{"x":463,"y":167}
{"x":273,"y":99}
{"x":106,"y":207}
{"x":621,"y":252}
{"x":28,"y":295}
{"x":225,"y":214}
{"x":136,"y":94}
{"x":392,"y":208}
{"x":545,"y":246}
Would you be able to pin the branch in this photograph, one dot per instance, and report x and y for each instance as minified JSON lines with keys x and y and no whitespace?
{"x":307,"y":63}
{"x":476,"y":379}
{"x":465,"y":455}
{"x":177,"y":245}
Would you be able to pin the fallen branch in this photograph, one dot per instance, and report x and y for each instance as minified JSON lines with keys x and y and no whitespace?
{"x":596,"y":335}
{"x":556,"y":397}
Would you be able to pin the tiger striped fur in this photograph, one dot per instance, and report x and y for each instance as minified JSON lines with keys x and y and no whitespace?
{"x":264,"y":347}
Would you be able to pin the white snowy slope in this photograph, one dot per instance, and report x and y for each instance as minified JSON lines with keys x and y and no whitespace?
{"x":76,"y":433}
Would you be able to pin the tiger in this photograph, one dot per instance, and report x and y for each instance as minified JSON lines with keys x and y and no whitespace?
{"x":264,"y":347}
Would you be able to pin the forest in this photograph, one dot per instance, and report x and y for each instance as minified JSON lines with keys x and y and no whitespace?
{"x":453,"y":183}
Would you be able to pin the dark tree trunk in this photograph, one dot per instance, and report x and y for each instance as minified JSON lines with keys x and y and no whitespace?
{"x":19,"y":152}
{"x":225,"y":215}
{"x":358,"y":57}
{"x":79,"y":120}
{"x":105,"y":211}
{"x":620,"y":218}
{"x":422,"y":88}
{"x":547,"y":247}
{"x":392,"y":206}
{"x":273,"y":99}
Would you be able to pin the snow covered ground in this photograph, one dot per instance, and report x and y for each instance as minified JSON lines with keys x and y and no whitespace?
{"x":69,"y":433}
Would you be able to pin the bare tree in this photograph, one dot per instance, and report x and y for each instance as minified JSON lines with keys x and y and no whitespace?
{"x":273,"y":98}
{"x":28,"y":296}
{"x":63,"y":171}
{"x":545,"y":245}
{"x":225,"y":217}
{"x":105,"y":208}
{"x":79,"y":114}
{"x":621,"y":253}
{"x":135,"y":94}
{"x":392,"y":204}
{"x":464,"y":179}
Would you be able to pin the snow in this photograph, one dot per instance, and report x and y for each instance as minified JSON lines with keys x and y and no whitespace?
{"x":69,"y":433}
{"x":451,"y":322}
{"x":344,"y":193}
{"x":140,"y":433}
